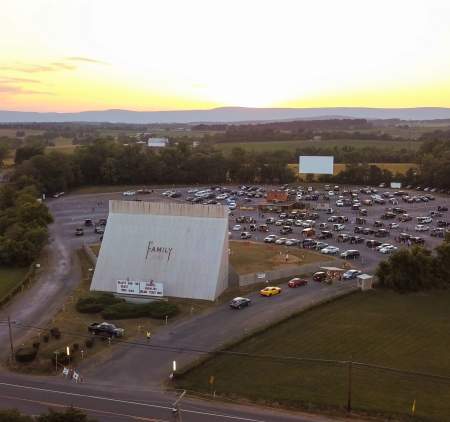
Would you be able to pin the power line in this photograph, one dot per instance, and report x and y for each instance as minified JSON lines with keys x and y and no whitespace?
{"x":185,"y":349}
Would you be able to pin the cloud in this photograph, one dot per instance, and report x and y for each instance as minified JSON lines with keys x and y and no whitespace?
{"x":86,"y":60}
{"x":6,"y":88}
{"x":8,"y":79}
{"x":38,"y":68}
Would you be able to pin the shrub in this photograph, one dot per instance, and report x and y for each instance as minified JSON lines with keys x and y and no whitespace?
{"x":55,"y":333}
{"x":89,"y":343}
{"x":36,"y":345}
{"x":26,"y":354}
{"x":96,"y":302}
{"x":46,"y":338}
{"x":75,"y":347}
{"x":124,"y":310}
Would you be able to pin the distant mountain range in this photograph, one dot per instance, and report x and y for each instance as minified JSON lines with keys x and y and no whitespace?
{"x":226,"y":114}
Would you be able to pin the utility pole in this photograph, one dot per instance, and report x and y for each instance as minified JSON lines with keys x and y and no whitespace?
{"x":349,"y":397}
{"x":11,"y":338}
{"x":176,"y":409}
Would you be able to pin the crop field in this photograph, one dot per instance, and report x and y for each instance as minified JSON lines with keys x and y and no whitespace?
{"x":291,"y":146}
{"x":409,"y":332}
{"x":401,"y":168}
{"x":63,"y":145}
{"x":249,"y":257}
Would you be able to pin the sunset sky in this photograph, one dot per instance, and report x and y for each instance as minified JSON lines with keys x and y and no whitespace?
{"x":72,"y":55}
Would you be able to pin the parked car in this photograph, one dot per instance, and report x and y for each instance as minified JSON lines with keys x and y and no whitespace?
{"x":105,"y":328}
{"x":237,"y":228}
{"x":350,"y":254}
{"x":439,"y":232}
{"x":297,"y":282}
{"x":88,"y":222}
{"x":388,"y":249}
{"x":280,"y":241}
{"x":99,"y":229}
{"x":421,"y":228}
{"x":292,"y":242}
{"x":330,"y":250}
{"x":239,"y":302}
{"x":246,"y":235}
{"x":270,"y":291}
{"x":373,"y":243}
{"x":319,"y":276}
{"x":79,"y":231}
{"x":271,"y":238}
{"x":351,"y":274}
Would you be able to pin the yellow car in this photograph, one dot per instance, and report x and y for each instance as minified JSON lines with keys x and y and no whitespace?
{"x":270,"y":291}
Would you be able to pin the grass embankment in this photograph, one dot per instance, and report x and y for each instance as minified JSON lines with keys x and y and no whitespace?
{"x":251,"y":257}
{"x":9,"y":279}
{"x":410,"y":332}
{"x":291,"y":146}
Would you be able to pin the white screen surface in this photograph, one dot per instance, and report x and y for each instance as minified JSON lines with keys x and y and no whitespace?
{"x":316,"y":164}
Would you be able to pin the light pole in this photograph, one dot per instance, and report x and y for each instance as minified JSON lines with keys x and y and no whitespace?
{"x":68,"y":353}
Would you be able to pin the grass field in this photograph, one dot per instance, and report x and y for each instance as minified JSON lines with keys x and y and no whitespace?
{"x":291,"y":146}
{"x":410,"y":332}
{"x":401,"y":168}
{"x":10,"y":278}
{"x":11,"y":133}
{"x":249,"y":257}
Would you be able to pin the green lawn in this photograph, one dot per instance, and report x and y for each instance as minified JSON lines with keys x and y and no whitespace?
{"x":250,"y":257}
{"x":9,"y":278}
{"x":291,"y":146}
{"x":410,"y":332}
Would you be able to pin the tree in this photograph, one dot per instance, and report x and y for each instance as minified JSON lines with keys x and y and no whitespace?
{"x":408,"y":270}
{"x":28,"y":151}
{"x":69,"y":415}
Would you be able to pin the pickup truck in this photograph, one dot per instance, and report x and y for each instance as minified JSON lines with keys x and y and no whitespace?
{"x":105,"y":328}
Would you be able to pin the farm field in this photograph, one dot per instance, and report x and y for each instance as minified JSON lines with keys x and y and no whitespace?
{"x":291,"y":146}
{"x":401,"y":168}
{"x":10,"y":278}
{"x":410,"y":332}
{"x":250,"y":257}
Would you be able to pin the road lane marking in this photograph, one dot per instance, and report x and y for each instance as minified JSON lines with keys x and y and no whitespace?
{"x":86,"y":409}
{"x":198,"y":412}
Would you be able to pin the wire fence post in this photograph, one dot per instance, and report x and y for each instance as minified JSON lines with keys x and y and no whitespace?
{"x":11,"y":338}
{"x":349,"y":387}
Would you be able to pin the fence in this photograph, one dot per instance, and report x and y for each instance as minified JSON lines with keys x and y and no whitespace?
{"x":248,"y":279}
{"x":331,"y":385}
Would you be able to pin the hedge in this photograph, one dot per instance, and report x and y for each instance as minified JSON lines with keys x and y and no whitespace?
{"x":96,"y":302}
{"x":125,"y":310}
{"x":26,"y":354}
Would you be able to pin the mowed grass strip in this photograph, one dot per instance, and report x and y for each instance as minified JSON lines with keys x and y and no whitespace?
{"x":291,"y":146}
{"x":410,"y":332}
{"x":251,"y":257}
{"x":10,"y":278}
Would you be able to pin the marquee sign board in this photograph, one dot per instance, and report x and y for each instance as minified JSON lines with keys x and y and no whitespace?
{"x":140,"y":288}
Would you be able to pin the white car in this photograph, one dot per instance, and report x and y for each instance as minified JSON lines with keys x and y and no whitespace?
{"x":330,"y":250}
{"x":421,"y":228}
{"x":271,"y":238}
{"x":129,"y":193}
{"x":292,"y":242}
{"x":338,"y":227}
{"x":222,"y":196}
{"x":237,"y":228}
{"x":166,"y":193}
{"x":280,"y":241}
{"x":382,"y":246}
{"x":192,"y":190}
{"x":388,"y":249}
{"x":279,"y":222}
{"x":232,"y":205}
{"x":298,"y":222}
{"x":339,"y":203}
{"x":394,"y":226}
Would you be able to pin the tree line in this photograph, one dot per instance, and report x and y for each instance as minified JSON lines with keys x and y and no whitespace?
{"x":417,"y":268}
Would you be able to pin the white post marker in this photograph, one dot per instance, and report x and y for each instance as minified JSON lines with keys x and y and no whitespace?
{"x":76,"y":376}
{"x":174,"y":366}
{"x":65,"y":371}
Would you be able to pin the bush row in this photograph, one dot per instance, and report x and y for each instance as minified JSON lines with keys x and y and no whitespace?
{"x":114,"y":308}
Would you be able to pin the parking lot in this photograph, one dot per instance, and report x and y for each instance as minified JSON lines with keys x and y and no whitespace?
{"x":344,"y":217}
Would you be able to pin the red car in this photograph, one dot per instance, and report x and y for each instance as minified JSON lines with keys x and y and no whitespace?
{"x":297,"y":282}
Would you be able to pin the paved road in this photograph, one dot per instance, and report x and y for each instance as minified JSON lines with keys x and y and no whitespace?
{"x":151,"y":366}
{"x":127,"y":403}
